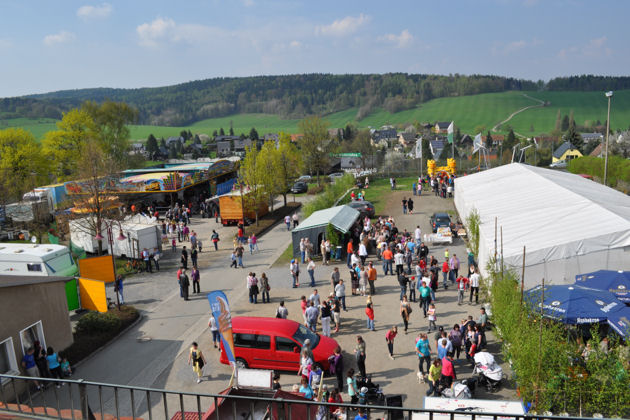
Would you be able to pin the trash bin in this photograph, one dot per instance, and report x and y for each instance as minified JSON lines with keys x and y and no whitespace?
{"x":338,"y":253}
{"x":394,"y":401}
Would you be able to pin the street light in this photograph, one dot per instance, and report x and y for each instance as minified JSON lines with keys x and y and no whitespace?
{"x":609,"y":95}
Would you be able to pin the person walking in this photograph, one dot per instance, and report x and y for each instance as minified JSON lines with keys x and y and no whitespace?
{"x":311,"y":314}
{"x":310,"y":269}
{"x":195,"y":277}
{"x":404,"y":205}
{"x":156,"y":255}
{"x":448,"y":372}
{"x":184,"y":283}
{"x":405,"y":311}
{"x":453,"y":265}
{"x":282,"y":312}
{"x":423,"y":350}
{"x":369,"y":312}
{"x":326,"y":315}
{"x":239,"y":254}
{"x":445,"y":270}
{"x":147,"y":260}
{"x":30,"y":367}
{"x":322,"y":250}
{"x":455,"y":337}
{"x":359,"y":354}
{"x":233,"y":259}
{"x":334,"y":277}
{"x":425,"y":297}
{"x":474,"y":285}
{"x":340,"y":292}
{"x":389,"y":338}
{"x":388,"y":258}
{"x":118,"y":288}
{"x":432,"y":317}
{"x":193,"y":256}
{"x":184,"y":257}
{"x":252,"y":287}
{"x":402,"y":282}
{"x":363,"y":253}
{"x":410,"y":205}
{"x":214,"y":329}
{"x":349,"y":252}
{"x":336,"y":310}
{"x":215,"y":239}
{"x":294,"y":270}
{"x":353,"y":391}
{"x":264,"y":288}
{"x":336,"y":366}
{"x":198,"y":360}
{"x":287,"y":221}
{"x":372,"y":275}
{"x":462,"y":284}
{"x":295,"y":220}
{"x":435,"y":374}
{"x":399,"y":260}
{"x":54,"y":365}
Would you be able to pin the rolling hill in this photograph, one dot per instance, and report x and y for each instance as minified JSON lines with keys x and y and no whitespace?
{"x":468,"y":112}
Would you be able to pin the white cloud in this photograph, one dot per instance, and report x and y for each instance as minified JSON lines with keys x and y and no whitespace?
{"x":59,"y":38}
{"x":400,"y":41}
{"x":594,"y":48}
{"x":248,"y":3}
{"x":515,"y":46}
{"x":343,"y":27}
{"x":90,"y":12}
{"x":295,"y":44}
{"x":151,"y":34}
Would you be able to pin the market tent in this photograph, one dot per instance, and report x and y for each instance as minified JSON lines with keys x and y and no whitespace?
{"x":569,"y":224}
{"x":314,"y":226}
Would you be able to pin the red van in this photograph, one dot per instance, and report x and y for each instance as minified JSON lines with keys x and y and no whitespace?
{"x":275,"y":343}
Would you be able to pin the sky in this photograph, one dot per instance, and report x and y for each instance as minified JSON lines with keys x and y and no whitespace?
{"x":54,"y":45}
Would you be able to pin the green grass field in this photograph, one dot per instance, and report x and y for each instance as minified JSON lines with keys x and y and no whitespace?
{"x":468,"y":112}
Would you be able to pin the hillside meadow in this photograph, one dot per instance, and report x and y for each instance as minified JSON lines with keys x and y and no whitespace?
{"x":468,"y":112}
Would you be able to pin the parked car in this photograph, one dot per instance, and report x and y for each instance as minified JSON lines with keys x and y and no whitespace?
{"x":299,"y":187}
{"x":305,"y":178}
{"x":275,"y":343}
{"x":364,"y":207}
{"x":561,"y":164}
{"x":439,"y":220}
{"x":335,"y":176}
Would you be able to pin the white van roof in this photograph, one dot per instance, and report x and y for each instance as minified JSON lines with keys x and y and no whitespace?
{"x":23,"y":251}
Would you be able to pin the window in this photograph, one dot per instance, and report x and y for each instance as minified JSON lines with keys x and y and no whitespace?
{"x":8,"y":364}
{"x":30,"y":335}
{"x":244,"y":340}
{"x":263,"y":342}
{"x":60,"y":262}
{"x":34,"y":267}
{"x":285,"y":344}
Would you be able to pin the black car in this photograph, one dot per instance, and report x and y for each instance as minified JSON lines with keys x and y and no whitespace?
{"x":439,"y":220}
{"x":299,"y":187}
{"x":364,"y":207}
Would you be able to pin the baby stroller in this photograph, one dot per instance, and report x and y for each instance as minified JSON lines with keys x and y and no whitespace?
{"x":490,"y":373}
{"x":374,"y":394}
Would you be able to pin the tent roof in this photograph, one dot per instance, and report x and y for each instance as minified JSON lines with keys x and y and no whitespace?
{"x":341,"y":217}
{"x":555,"y":212}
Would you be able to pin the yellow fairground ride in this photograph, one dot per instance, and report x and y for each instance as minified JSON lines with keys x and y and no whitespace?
{"x":450,"y":169}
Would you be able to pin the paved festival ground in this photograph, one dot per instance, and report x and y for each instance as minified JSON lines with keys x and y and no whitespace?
{"x":154,"y":352}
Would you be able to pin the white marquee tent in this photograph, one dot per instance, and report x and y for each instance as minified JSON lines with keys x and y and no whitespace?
{"x":569,"y":224}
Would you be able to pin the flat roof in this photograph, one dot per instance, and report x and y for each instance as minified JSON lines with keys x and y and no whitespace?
{"x":39,"y":250}
{"x":341,"y":217}
{"x":16,"y":281}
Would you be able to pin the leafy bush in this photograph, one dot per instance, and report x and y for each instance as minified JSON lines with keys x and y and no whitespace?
{"x":332,"y":235}
{"x":472,"y":223}
{"x":98,"y":323}
{"x":618,"y":168}
{"x":330,"y":194}
{"x":547,"y":364}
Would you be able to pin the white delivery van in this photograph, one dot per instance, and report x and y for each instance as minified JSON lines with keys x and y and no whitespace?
{"x":36,"y":260}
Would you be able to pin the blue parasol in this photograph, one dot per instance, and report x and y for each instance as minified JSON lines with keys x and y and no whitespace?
{"x":616,"y":282}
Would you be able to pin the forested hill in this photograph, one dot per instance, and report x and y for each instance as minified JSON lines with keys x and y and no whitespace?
{"x":292,"y":96}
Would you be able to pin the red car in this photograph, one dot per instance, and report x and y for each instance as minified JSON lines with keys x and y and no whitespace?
{"x":275,"y":343}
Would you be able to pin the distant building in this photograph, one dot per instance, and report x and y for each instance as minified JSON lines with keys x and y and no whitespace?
{"x":598,"y":151}
{"x":386,"y":132}
{"x":566,"y":151}
{"x":406,"y":139}
{"x":226,"y":138}
{"x":333,"y":133}
{"x":437,"y":146}
{"x":224,"y":148}
{"x":589,"y":137}
{"x":466,"y":140}
{"x":441,"y":127}
{"x":172,"y":140}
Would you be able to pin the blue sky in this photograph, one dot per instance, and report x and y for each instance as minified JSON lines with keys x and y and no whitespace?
{"x":47,"y":45}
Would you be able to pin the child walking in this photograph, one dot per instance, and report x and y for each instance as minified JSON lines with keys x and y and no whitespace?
{"x":432,"y":317}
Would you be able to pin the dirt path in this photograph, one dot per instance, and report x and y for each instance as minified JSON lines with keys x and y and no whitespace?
{"x":539,"y":105}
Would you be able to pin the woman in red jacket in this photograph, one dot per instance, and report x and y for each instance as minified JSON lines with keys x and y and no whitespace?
{"x":369,"y":311}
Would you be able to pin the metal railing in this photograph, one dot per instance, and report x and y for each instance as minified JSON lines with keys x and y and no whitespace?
{"x":79,"y":399}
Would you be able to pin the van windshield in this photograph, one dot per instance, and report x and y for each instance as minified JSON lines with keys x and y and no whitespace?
{"x":60,"y":263}
{"x":303,"y":333}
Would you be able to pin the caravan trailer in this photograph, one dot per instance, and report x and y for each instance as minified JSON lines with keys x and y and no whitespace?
{"x":36,"y":260}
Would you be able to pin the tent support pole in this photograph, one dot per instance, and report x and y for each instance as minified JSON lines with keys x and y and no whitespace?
{"x":542,"y":302}
{"x":495,"y":243}
{"x":502,"y":253}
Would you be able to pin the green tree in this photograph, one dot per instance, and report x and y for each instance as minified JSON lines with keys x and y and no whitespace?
{"x":426,"y":149}
{"x":23,"y":164}
{"x":253,"y":134}
{"x":231,"y":131}
{"x":214,"y":134}
{"x":288,"y":164}
{"x":172,"y":151}
{"x":565,"y":123}
{"x":221,"y":132}
{"x":252,"y":171}
{"x":184,"y":135}
{"x":489,"y":141}
{"x":558,"y":125}
{"x":163,"y":143}
{"x":315,"y":145}
{"x":349,"y":132}
{"x":180,"y":148}
{"x":574,"y":137}
{"x":509,"y":141}
{"x":479,"y":129}
{"x":152,"y":145}
{"x":63,"y":146}
{"x":110,"y":120}
{"x":362,"y":143}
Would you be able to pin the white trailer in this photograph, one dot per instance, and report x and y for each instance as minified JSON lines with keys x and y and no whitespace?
{"x":36,"y":260}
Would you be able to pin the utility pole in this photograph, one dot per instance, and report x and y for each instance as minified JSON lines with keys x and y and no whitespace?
{"x":609,"y":95}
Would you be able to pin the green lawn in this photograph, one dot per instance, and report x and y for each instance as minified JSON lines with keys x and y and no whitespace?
{"x":379,"y":191}
{"x":468,"y":112}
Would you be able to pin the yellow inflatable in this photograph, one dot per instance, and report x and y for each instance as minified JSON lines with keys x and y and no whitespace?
{"x":450,"y":168}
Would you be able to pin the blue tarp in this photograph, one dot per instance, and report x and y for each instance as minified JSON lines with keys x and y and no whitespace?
{"x":616,"y":282}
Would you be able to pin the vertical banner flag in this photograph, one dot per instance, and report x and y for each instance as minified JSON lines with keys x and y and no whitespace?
{"x":449,"y":132}
{"x":221,"y":312}
{"x":419,"y":148}
{"x":477,"y":143}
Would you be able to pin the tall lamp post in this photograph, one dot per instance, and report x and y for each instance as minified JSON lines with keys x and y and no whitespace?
{"x":110,"y":240}
{"x":609,"y":95}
